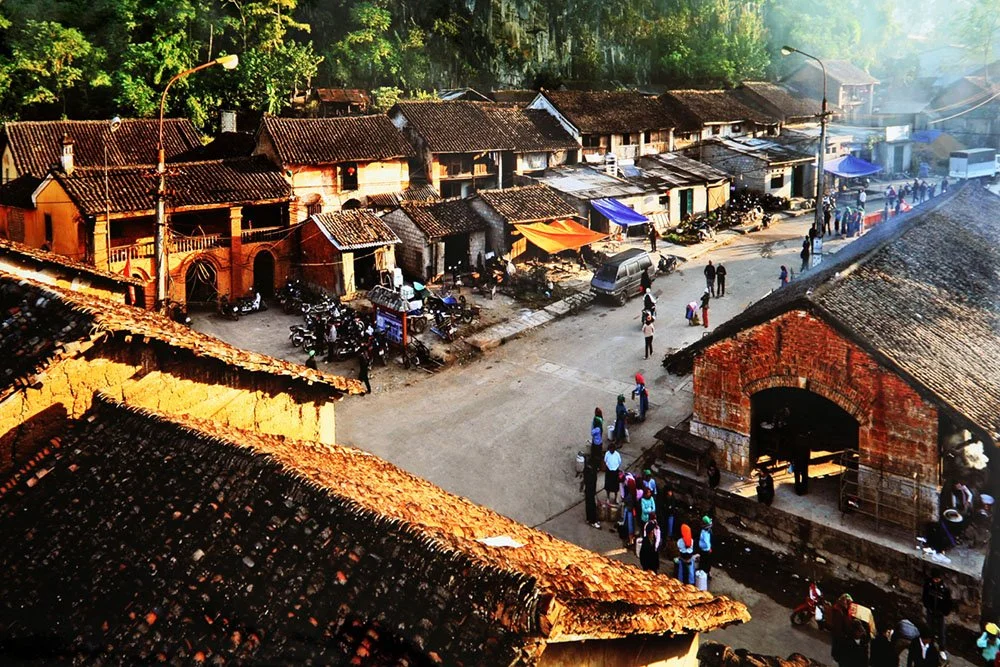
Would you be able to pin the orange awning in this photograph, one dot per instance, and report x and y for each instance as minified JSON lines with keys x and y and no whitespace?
{"x":559,"y":235}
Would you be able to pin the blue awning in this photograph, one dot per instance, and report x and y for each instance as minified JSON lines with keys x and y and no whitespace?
{"x":618,"y":213}
{"x":850,"y":167}
{"x":926,"y":136}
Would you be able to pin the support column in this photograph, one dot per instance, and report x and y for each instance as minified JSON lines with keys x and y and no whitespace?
{"x":236,"y":289}
{"x":101,"y":240}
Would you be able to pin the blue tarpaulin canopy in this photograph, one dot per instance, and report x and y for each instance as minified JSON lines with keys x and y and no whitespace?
{"x":618,"y":213}
{"x":850,"y":167}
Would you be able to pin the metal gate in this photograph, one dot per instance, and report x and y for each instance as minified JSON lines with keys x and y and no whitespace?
{"x":888,"y":498}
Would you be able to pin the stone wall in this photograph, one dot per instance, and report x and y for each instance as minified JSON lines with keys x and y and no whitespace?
{"x":897,"y":428}
{"x":830,"y":552}
{"x":413,"y":253}
{"x":679,"y":651}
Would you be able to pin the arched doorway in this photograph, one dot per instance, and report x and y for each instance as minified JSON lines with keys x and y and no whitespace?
{"x":788,"y":423}
{"x":201,"y":285}
{"x":350,"y":205}
{"x":263,"y":273}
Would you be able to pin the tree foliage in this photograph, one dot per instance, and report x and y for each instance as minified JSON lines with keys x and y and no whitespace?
{"x":97,"y":58}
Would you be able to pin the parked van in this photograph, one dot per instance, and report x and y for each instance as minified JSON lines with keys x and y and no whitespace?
{"x":620,"y":277}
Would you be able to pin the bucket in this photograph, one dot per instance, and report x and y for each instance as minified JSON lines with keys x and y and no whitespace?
{"x":701,"y":580}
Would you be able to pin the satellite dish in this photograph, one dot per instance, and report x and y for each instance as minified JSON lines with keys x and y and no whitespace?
{"x":116,"y":122}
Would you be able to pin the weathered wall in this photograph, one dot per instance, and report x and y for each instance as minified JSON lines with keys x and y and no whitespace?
{"x":897,"y":429}
{"x":653,"y":652}
{"x":413,"y":253}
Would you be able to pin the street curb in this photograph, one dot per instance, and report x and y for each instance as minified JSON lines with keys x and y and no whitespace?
{"x":498,"y":334}
{"x":722,"y":239}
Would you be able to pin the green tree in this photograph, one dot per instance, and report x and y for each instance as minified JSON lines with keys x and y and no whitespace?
{"x":977,"y":24}
{"x":48,"y":61}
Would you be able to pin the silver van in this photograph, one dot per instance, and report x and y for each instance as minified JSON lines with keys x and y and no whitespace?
{"x":620,"y":277}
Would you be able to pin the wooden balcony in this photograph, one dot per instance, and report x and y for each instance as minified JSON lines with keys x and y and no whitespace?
{"x":146,"y":247}
{"x":478,"y":171}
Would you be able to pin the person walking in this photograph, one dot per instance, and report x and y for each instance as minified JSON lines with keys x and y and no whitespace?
{"x":827,"y":214}
{"x":923,"y":652}
{"x":642,"y":394}
{"x":916,"y":191}
{"x":765,"y":487}
{"x":311,"y":361}
{"x":705,"y":545}
{"x":645,"y":281}
{"x":806,"y":247}
{"x":685,"y":559}
{"x":612,"y":463}
{"x":713,"y":475}
{"x":647,"y":332}
{"x":710,"y":278}
{"x":704,"y":308}
{"x":720,"y":281}
{"x":862,"y":198}
{"x":364,"y":363}
{"x":800,"y":467}
{"x":937,"y":604}
{"x":589,"y":488}
{"x":989,"y":644}
{"x":944,"y":185}
{"x":330,"y":336}
{"x":652,"y":237}
{"x":783,"y":276}
{"x":883,"y":654}
{"x":621,"y":421}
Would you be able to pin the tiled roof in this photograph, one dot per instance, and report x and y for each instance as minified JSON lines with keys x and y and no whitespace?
{"x":22,"y":253}
{"x":393,"y":199}
{"x":18,"y":191}
{"x":466,"y":127}
{"x":778,"y":100}
{"x":921,"y":294}
{"x":354,"y":230}
{"x":718,"y":106}
{"x":773,"y":151}
{"x":531,"y":203}
{"x":191,"y":184}
{"x":78,"y":318}
{"x":332,"y":140}
{"x":444,"y":218}
{"x":677,"y":170}
{"x":343,"y":95}
{"x":596,"y":112}
{"x":225,"y":146}
{"x":37,"y":145}
{"x":844,"y":72}
{"x":254,"y":549}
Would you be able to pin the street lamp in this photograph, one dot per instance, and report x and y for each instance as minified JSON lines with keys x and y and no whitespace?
{"x":821,"y":176}
{"x":113,"y":126}
{"x":227,"y":62}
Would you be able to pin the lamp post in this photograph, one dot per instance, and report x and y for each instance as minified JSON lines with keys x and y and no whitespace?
{"x":113,"y":126}
{"x":227,"y":62}
{"x":821,"y":175}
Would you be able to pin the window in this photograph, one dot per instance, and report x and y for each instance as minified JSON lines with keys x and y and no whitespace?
{"x":777,"y":180}
{"x":626,"y":140}
{"x":665,"y":201}
{"x":591,"y":141}
{"x":48,"y":228}
{"x":349,"y":176}
{"x":737,"y":128}
{"x":716,"y":129}
{"x":686,"y":202}
{"x":647,"y":137}
{"x":314,"y":208}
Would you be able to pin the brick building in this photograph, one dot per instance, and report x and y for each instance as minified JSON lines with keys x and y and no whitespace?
{"x":502,"y":209}
{"x":336,"y":163}
{"x":437,"y":236}
{"x":888,"y":351}
{"x":703,"y":114}
{"x":465,"y":146}
{"x":849,"y":88}
{"x":344,"y":251}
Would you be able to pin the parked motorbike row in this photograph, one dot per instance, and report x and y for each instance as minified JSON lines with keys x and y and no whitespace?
{"x":353,"y":334}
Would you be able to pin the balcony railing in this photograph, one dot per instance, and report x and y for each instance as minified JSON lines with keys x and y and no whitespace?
{"x":195,"y":243}
{"x":140,"y":250}
{"x":263,"y":234}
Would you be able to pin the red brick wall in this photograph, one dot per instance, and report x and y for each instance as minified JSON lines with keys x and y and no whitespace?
{"x":321,"y":262}
{"x":898,"y":430}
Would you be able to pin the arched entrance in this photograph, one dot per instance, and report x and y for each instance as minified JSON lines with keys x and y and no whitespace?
{"x":263,"y":273}
{"x":350,"y":205}
{"x":201,"y":286}
{"x":789,"y":424}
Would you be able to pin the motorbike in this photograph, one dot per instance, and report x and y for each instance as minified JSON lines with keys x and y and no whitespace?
{"x":178,"y":313}
{"x":227,"y":309}
{"x":251,"y":304}
{"x":667,"y":264}
{"x":379,"y":346}
{"x":444,"y":326}
{"x":861,"y":619}
{"x":416,"y":354}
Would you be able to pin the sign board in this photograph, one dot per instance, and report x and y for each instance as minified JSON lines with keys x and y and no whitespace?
{"x":897,"y":133}
{"x":391,"y":323}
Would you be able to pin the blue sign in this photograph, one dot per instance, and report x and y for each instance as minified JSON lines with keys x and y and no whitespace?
{"x":392,"y":324}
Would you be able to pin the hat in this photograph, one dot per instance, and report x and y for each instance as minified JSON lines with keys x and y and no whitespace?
{"x":992,"y":629}
{"x":621,"y":398}
{"x":706,"y":520}
{"x":312,"y":353}
{"x":647,"y":472}
{"x":686,"y":535}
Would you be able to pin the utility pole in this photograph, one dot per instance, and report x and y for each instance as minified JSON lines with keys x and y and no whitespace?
{"x":820,"y":175}
{"x":160,"y":231}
